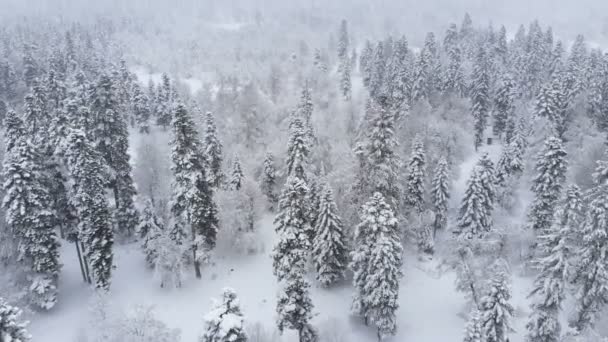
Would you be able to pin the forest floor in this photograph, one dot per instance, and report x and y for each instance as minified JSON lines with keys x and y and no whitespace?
{"x":430,"y":308}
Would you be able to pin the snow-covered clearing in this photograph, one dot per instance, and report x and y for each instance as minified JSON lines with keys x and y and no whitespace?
{"x":427,"y":296}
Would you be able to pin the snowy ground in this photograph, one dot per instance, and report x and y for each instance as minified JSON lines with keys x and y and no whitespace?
{"x":430,"y":308}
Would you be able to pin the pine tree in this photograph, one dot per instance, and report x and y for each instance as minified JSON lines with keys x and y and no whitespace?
{"x":224,"y":323}
{"x":150,"y":228}
{"x":509,"y":165}
{"x":169,"y":260}
{"x":11,"y":328}
{"x":329,"y":251}
{"x":473,"y":219}
{"x":343,"y":41}
{"x":192,"y":204}
{"x":298,"y":150}
{"x":472,"y":332}
{"x":304,"y":112}
{"x":496,"y":311}
{"x":292,"y":227}
{"x":294,"y":306}
{"x":440,"y":194}
{"x":345,"y":80}
{"x":30,"y":67}
{"x":503,"y":104}
{"x":269,"y":181}
{"x":454,"y":76}
{"x":400,"y":79}
{"x":422,"y":71}
{"x":572,"y":211}
{"x":213,"y":151}
{"x":88,"y":193}
{"x":554,"y":261}
{"x":365,"y":63}
{"x":27,"y":202}
{"x":377,"y":67}
{"x":415,"y":178}
{"x":480,"y":96}
{"x":591,"y":273}
{"x":551,"y":105}
{"x":547,"y":185}
{"x":165,"y":102}
{"x":141,"y":109}
{"x":376,"y":262}
{"x":236,"y":178}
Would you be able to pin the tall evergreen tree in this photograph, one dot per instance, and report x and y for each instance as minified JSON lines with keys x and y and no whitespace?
{"x":480,"y":95}
{"x":149,"y":231}
{"x":88,"y":193}
{"x":236,"y":177}
{"x":440,"y":193}
{"x":378,"y":67}
{"x":472,"y":332}
{"x":329,"y":251}
{"x":415,"y":178}
{"x":11,"y":328}
{"x":376,"y":262}
{"x":503,"y":104}
{"x":269,"y":181}
{"x":298,"y":150}
{"x":213,"y":151}
{"x":547,"y":185}
{"x":473,"y":219}
{"x":294,"y":306}
{"x":496,"y":311}
{"x":192,"y":203}
{"x":591,"y":273}
{"x":345,"y":80}
{"x":27,"y":201}
{"x":141,"y":109}
{"x":165,"y":102}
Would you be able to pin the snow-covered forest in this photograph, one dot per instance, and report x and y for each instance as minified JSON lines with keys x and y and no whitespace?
{"x":268,"y":171}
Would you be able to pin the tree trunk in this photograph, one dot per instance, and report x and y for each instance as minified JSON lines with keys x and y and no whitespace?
{"x":86,"y":265}
{"x":84,"y":275}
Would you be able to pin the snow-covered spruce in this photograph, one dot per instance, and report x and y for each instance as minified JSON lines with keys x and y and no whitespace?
{"x":294,"y":306}
{"x":94,"y":228}
{"x":11,"y":328}
{"x":415,"y":178}
{"x":192,"y":202}
{"x":547,"y":184}
{"x":236,"y":176}
{"x":376,"y":263}
{"x":496,"y":311}
{"x":149,"y":229}
{"x":27,"y":200}
{"x":213,"y":152}
{"x":268,"y":181}
{"x":224,"y":323}
{"x":472,"y":330}
{"x":298,"y":149}
{"x":440,"y":195}
{"x":329,"y":251}
{"x":474,"y":220}
{"x":480,"y":97}
{"x":503,"y":104}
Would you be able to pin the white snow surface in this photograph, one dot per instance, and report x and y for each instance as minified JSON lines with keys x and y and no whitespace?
{"x":430,"y":308}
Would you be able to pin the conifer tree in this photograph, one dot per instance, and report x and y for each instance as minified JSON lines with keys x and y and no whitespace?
{"x":480,"y":95}
{"x":304,"y":111}
{"x":329,"y":251}
{"x":292,"y":227}
{"x":192,"y":204}
{"x":454,"y":76}
{"x":236,"y":178}
{"x":422,"y":70}
{"x":268,"y":181}
{"x":141,"y":109}
{"x":503,"y":104}
{"x":551,"y":105}
{"x":472,"y":332}
{"x":440,"y":194}
{"x":11,"y":328}
{"x":345,"y":81}
{"x":165,"y":102}
{"x":590,"y":273}
{"x":509,"y":165}
{"x":376,"y":262}
{"x":294,"y":306}
{"x":415,"y":178}
{"x":343,"y":41}
{"x":27,"y":202}
{"x":88,"y":193}
{"x":224,"y":323}
{"x":473,"y":219}
{"x":496,"y":311}
{"x":554,"y":255}
{"x":298,"y":150}
{"x":399,"y":74}
{"x":149,"y":230}
{"x":213,"y":151}
{"x":547,"y":185}
{"x":365,"y":63}
{"x":377,"y":67}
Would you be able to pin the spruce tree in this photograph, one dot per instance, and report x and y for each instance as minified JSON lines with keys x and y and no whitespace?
{"x":376,"y":262}
{"x":415,"y":178}
{"x":149,"y":230}
{"x":224,"y":323}
{"x":329,"y":251}
{"x":141,"y":109}
{"x":472,"y":332}
{"x":269,"y":181}
{"x":192,"y":203}
{"x":496,"y":311}
{"x":27,"y":201}
{"x":377,"y":67}
{"x":473,"y":219}
{"x":165,"y":102}
{"x":547,"y":184}
{"x":503,"y":104}
{"x":236,"y":177}
{"x":294,"y":306}
{"x":591,"y":273}
{"x":11,"y":328}
{"x":480,"y":95}
{"x":213,"y":152}
{"x":440,"y":194}
{"x":422,"y":71}
{"x":343,"y":41}
{"x":292,"y":227}
{"x":509,"y":165}
{"x":298,"y":149}
{"x":345,"y":81}
{"x":365,"y":63}
{"x":94,"y":228}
